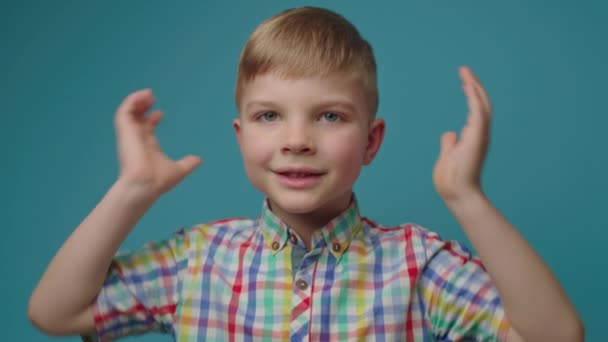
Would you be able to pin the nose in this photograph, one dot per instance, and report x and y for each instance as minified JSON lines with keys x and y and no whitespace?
{"x":298,"y":139}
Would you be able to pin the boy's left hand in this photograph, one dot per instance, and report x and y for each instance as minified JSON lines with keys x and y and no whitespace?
{"x":457,"y":172}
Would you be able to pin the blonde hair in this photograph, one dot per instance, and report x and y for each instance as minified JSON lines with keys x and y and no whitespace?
{"x":307,"y":42}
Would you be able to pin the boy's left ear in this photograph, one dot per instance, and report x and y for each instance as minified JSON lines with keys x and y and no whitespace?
{"x":374,"y":140}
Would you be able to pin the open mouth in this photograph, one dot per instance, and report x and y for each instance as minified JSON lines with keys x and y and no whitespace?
{"x":299,"y":179}
{"x":299,"y":174}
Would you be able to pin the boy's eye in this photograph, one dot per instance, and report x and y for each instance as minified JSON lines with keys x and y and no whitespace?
{"x":269,"y":116}
{"x":331,"y":116}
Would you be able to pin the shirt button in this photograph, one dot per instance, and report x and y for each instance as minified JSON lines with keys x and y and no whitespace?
{"x":336,"y":247}
{"x":293,"y":239}
{"x":275,"y":245}
{"x":302,"y":284}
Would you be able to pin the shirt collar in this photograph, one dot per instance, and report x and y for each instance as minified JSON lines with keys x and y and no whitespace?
{"x":336,"y":235}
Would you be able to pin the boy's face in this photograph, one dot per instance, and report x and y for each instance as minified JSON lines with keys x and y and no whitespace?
{"x":305,"y":140}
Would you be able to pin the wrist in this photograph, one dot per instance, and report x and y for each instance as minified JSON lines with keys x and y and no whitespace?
{"x":467,"y":204}
{"x":134,"y":194}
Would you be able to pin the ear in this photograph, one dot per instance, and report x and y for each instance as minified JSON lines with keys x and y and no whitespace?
{"x":236,"y":125}
{"x":374,"y":140}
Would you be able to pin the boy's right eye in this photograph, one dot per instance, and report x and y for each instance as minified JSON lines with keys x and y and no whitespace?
{"x":269,"y":116}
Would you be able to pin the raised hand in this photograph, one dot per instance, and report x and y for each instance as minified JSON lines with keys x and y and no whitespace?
{"x":457,"y":172}
{"x":142,"y":163}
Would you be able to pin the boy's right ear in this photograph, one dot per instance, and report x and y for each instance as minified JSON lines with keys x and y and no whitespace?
{"x":236,"y":125}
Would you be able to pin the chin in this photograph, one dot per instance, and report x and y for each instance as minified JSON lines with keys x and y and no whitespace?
{"x":297,"y":203}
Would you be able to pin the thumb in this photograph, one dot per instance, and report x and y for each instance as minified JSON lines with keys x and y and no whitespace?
{"x":448,"y":142}
{"x":188,"y":164}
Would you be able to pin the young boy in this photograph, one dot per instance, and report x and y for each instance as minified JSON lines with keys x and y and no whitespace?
{"x":310,"y":267}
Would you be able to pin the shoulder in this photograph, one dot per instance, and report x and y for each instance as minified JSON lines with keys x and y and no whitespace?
{"x":218,"y":231}
{"x":407,"y":232}
{"x":419,"y":239}
{"x":191,"y":241}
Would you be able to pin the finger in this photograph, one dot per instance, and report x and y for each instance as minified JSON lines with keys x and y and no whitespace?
{"x":479,"y":115}
{"x":475,"y":117}
{"x":153,"y":119}
{"x":189,"y":163}
{"x":475,"y":133}
{"x":135,"y":105}
{"x":448,"y":142}
{"x":479,"y":89}
{"x":486,"y":107}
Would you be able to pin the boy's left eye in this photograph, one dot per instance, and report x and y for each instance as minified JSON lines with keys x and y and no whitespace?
{"x":330,"y":116}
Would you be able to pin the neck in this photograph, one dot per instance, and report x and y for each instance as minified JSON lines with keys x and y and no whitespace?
{"x":305,"y":224}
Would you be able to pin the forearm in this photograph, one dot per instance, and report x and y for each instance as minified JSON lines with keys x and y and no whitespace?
{"x":534,"y":301}
{"x":76,"y":273}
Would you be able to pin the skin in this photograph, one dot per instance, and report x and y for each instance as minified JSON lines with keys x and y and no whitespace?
{"x":534,"y":301}
{"x":321,"y":124}
{"x":304,"y":135}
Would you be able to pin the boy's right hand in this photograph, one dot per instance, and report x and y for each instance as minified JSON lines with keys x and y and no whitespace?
{"x":63,"y":301}
{"x":142,"y":163}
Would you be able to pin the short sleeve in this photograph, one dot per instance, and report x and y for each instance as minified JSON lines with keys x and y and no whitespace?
{"x":461,"y":301}
{"x":141,"y":290}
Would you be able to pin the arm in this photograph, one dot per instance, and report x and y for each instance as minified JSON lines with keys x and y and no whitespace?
{"x":61,"y":304}
{"x":535,"y":304}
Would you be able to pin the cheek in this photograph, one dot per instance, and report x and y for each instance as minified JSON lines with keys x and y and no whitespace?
{"x":347,"y":151}
{"x":257,"y":154}
{"x":254,"y":149}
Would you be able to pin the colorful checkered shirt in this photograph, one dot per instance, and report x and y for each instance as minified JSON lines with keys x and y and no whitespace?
{"x":237,"y":280}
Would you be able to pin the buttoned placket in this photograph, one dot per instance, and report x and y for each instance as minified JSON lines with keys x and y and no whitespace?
{"x":302,"y":289}
{"x":330,"y":242}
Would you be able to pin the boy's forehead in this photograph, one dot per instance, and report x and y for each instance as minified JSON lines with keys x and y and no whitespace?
{"x":335,"y":82}
{"x":336,"y":87}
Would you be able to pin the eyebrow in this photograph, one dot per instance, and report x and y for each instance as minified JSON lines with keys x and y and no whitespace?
{"x":349,"y":106}
{"x":260,"y":104}
{"x":322,"y":104}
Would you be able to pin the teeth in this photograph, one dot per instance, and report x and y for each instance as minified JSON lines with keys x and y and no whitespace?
{"x":298,"y":175}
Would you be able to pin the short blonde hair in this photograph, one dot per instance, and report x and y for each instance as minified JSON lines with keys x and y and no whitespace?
{"x":304,"y":42}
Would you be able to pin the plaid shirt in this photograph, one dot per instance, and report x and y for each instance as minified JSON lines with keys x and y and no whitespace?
{"x":242,"y":279}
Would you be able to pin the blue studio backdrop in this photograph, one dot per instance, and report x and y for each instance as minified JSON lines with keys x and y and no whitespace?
{"x":66,"y":65}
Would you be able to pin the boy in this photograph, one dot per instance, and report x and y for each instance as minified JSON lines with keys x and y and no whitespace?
{"x":310,"y":268}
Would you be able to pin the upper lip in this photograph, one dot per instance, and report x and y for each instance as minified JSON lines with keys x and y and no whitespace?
{"x":298,"y":169}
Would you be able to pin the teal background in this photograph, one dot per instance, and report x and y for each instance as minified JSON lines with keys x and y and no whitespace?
{"x":66,"y":65}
